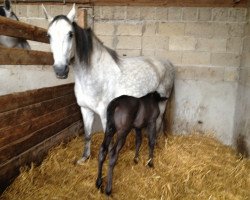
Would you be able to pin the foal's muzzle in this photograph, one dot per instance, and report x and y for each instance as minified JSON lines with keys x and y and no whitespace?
{"x":61,"y":71}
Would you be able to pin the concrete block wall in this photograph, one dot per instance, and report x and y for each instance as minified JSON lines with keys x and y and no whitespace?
{"x":205,"y":44}
{"x":242,"y":115}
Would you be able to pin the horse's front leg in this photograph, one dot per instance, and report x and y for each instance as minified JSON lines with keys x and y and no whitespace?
{"x":88,"y":118}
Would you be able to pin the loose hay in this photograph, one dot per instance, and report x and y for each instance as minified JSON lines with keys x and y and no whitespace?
{"x":186,"y":167}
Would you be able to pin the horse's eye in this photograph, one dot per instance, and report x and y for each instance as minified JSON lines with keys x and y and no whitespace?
{"x":70,"y":34}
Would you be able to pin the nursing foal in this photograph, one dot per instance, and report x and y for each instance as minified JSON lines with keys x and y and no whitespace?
{"x":123,"y":114}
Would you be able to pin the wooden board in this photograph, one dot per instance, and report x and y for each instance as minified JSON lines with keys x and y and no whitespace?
{"x":30,"y":119}
{"x":180,"y":3}
{"x":14,"y":56}
{"x":19,"y":29}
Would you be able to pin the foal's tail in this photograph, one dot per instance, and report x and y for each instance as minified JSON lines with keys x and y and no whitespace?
{"x":158,"y":97}
{"x":110,"y":127}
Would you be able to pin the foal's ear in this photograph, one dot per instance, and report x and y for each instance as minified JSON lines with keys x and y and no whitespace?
{"x":47,"y":16}
{"x":7,"y":4}
{"x":72,"y":13}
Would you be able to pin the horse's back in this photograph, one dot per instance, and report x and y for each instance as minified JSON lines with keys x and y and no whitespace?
{"x":142,"y":75}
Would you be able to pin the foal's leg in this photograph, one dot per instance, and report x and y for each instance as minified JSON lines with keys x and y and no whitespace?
{"x":138,"y":141}
{"x":151,"y":142}
{"x":88,"y":118}
{"x":113,"y":156}
{"x":102,"y":155}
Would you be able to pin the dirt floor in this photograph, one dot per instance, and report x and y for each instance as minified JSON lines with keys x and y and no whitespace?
{"x":186,"y":167}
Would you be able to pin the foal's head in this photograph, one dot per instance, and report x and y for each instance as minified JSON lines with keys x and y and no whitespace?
{"x":6,"y":11}
{"x":61,"y":34}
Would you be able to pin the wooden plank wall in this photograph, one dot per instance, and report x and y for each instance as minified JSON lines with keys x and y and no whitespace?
{"x":185,"y":3}
{"x":31,"y":123}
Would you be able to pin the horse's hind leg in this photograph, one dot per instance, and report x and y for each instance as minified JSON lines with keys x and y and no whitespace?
{"x":88,"y":118}
{"x":160,"y":118}
{"x":138,"y":141}
{"x":151,"y":142}
{"x":102,"y":155}
{"x":113,"y":156}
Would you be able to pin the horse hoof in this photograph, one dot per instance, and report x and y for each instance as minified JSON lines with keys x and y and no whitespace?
{"x":136,"y":160}
{"x":108,"y":192}
{"x":82,"y":161}
{"x":150,"y":163}
{"x":98,"y":183}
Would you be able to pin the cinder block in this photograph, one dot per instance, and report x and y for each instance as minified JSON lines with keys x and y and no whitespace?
{"x":128,"y":42}
{"x":32,"y":11}
{"x":107,"y":12}
{"x":133,"y":13}
{"x":225,"y":59}
{"x":119,"y":12}
{"x":199,"y":29}
{"x":185,"y":73}
{"x":211,"y":45}
{"x":212,"y":74}
{"x":147,"y":52}
{"x":129,"y":29}
{"x":234,"y":45}
{"x":21,"y":10}
{"x":107,"y":40}
{"x":155,"y":42}
{"x":129,"y":53}
{"x":149,"y":29}
{"x":190,"y":14}
{"x":246,"y":44}
{"x":221,"y":30}
{"x":196,"y":58}
{"x":237,"y":14}
{"x":161,"y":14}
{"x":148,"y":13}
{"x":174,"y":56}
{"x":231,"y":74}
{"x":236,"y":29}
{"x":247,"y":29}
{"x":205,"y":14}
{"x":220,"y":14}
{"x":182,"y":43}
{"x":56,"y":10}
{"x":43,"y":23}
{"x":171,"y":29}
{"x":97,"y":12}
{"x":104,"y":28}
{"x":174,"y":14}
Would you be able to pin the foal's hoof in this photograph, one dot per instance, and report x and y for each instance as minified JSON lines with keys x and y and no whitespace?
{"x":136,"y":160}
{"x":108,"y":192}
{"x":150,"y":163}
{"x":98,"y":183}
{"x":82,"y":161}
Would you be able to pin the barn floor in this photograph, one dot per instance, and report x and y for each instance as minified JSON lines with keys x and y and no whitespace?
{"x":186,"y":167}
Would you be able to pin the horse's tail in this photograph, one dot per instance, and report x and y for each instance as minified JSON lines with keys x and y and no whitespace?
{"x":111,"y":128}
{"x":169,"y":110}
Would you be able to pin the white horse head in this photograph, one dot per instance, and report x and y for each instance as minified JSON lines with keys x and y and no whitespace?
{"x":62,"y":42}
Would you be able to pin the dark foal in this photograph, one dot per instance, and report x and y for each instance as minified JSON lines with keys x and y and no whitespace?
{"x":123,"y":114}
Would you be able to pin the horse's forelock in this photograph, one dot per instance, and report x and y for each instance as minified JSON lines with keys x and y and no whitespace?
{"x":59,"y":17}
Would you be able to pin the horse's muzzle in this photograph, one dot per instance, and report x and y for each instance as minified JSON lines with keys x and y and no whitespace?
{"x":61,"y":71}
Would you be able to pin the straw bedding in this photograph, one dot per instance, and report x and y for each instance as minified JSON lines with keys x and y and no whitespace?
{"x":186,"y":167}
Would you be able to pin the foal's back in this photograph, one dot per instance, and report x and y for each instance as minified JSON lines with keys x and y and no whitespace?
{"x":131,"y":112}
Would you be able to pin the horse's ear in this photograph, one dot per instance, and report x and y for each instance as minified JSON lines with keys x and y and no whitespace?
{"x":47,"y":16}
{"x":7,"y":4}
{"x":72,"y":13}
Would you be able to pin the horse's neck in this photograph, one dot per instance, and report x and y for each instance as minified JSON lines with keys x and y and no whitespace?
{"x":101,"y":63}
